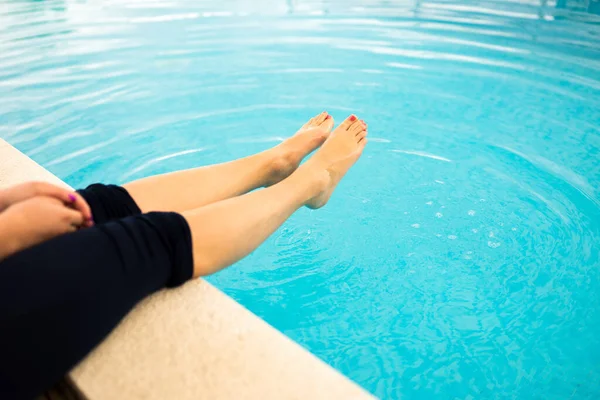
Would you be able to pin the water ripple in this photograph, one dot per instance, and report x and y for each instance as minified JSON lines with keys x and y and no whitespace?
{"x":460,"y":258}
{"x":422,"y":154}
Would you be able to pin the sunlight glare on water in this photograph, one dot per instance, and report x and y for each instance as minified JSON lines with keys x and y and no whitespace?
{"x":459,"y":259}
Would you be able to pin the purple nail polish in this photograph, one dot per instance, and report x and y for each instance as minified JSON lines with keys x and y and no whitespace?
{"x":72,"y":197}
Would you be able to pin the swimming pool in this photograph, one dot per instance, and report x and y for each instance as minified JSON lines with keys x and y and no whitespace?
{"x":458,"y":259}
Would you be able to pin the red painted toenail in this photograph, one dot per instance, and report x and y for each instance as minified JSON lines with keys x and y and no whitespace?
{"x":328,"y":116}
{"x":352,"y":118}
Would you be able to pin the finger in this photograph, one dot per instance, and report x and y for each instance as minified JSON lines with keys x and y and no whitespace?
{"x":68,"y":197}
{"x":81,"y":205}
{"x":46,"y":189}
{"x":28,"y":190}
{"x":73,"y":218}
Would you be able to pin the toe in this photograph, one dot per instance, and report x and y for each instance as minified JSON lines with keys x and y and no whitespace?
{"x":318,"y":120}
{"x":315,"y":121}
{"x":358,"y":124}
{"x":360,"y":136}
{"x":357,"y":127}
{"x":327,"y":123}
{"x":348,"y":122}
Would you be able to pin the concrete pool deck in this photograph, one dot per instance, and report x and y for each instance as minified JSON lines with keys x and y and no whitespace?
{"x":193,"y":342}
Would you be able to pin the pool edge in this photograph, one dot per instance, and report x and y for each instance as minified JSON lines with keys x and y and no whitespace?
{"x":193,"y":342}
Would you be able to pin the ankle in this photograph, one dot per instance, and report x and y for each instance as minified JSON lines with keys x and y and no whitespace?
{"x":279,"y":165}
{"x":313,"y":181}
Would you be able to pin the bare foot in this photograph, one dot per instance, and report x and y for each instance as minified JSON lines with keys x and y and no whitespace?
{"x":335,"y":157}
{"x":286,"y":157}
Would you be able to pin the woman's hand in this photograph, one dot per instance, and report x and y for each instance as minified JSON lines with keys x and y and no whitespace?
{"x":16,"y":194}
{"x":35,"y":220}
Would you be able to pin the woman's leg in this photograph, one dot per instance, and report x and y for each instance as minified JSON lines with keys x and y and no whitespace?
{"x":59,"y":299}
{"x":226,"y":231}
{"x":193,"y":188}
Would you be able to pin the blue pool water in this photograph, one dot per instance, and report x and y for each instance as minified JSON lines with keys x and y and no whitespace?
{"x":458,"y":260}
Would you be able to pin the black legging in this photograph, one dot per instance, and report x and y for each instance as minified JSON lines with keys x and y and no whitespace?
{"x":59,"y":299}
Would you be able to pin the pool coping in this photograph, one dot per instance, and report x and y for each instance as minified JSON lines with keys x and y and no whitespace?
{"x":193,"y":342}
